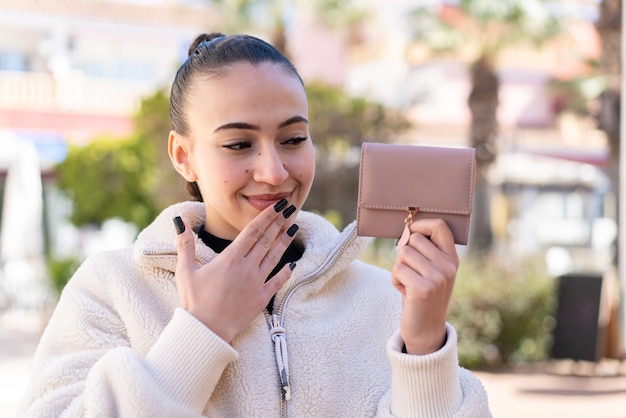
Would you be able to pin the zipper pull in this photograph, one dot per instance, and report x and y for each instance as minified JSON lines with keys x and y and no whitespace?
{"x":277,"y":332}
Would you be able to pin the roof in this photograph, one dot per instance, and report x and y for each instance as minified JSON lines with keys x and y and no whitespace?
{"x":166,"y":13}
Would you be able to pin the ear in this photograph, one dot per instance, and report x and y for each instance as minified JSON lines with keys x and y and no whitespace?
{"x":178,"y":149}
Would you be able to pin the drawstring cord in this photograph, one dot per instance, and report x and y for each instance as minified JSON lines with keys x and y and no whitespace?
{"x":277,"y":332}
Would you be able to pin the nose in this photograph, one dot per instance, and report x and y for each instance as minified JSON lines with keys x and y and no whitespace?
{"x":269,"y":168}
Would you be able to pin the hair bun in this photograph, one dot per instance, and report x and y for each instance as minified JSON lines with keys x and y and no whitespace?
{"x":202,"y":38}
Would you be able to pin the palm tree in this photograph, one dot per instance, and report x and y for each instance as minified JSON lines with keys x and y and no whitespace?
{"x":609,"y":27}
{"x":481,"y":30}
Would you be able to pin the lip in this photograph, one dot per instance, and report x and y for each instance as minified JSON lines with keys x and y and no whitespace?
{"x":261,"y":201}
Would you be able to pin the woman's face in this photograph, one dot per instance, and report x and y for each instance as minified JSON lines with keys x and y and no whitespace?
{"x":249,"y":144}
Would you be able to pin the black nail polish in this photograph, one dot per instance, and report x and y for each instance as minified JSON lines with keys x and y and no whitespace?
{"x":292,"y":265}
{"x":287,"y":212}
{"x":280,"y":205}
{"x":179,"y":225}
{"x":292,"y":230}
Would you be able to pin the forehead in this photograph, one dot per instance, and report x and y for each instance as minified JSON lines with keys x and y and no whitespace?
{"x":246,"y":86}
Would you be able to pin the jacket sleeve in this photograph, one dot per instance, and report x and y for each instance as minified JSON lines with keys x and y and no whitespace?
{"x":432,"y":385}
{"x":84,"y":365}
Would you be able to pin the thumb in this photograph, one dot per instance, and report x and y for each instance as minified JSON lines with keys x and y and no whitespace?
{"x":185,"y":245}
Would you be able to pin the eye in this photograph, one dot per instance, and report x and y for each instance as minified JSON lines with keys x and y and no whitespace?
{"x":237,"y":146}
{"x":295,"y":141}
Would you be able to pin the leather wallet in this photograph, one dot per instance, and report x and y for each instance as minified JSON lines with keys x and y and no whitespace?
{"x":399,"y":183}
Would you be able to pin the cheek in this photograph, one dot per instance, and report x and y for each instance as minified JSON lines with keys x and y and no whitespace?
{"x":218,"y":174}
{"x":310,"y":167}
{"x":305,"y":170}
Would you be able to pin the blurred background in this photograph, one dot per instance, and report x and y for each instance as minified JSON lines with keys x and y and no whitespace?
{"x":533,"y":85}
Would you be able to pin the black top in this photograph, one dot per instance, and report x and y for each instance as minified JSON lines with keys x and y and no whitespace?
{"x":292,"y":253}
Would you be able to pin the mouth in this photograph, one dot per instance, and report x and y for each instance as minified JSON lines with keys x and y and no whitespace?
{"x":261,"y":201}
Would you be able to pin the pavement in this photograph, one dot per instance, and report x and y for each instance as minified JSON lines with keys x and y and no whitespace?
{"x":16,"y":350}
{"x":552,"y":389}
{"x":558,"y":389}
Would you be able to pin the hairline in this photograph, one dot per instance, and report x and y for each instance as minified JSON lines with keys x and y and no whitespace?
{"x":224,"y":70}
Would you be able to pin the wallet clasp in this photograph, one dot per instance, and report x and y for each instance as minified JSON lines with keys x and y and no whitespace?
{"x":406,"y":233}
{"x":412,"y":210}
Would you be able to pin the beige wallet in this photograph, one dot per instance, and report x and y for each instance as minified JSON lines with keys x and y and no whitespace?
{"x":400,"y":183}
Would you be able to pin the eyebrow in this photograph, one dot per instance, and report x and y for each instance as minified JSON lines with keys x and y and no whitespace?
{"x":248,"y":126}
{"x":292,"y":120}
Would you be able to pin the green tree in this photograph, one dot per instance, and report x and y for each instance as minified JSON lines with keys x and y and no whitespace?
{"x":109,"y":178}
{"x":481,"y":30}
{"x":350,"y":120}
{"x":152,"y":127}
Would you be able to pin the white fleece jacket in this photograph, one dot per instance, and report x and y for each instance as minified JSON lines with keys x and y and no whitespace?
{"x":118,"y":344}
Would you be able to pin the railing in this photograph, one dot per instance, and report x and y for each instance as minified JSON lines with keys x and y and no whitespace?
{"x":74,"y":93}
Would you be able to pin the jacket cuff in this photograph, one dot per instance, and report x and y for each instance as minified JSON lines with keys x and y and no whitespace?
{"x":428,"y":385}
{"x":188,"y":360}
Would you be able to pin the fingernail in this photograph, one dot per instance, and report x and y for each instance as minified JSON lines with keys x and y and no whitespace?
{"x":292,"y":265}
{"x":280,"y":205}
{"x":179,"y":225}
{"x":287,"y":212}
{"x":292,"y":230}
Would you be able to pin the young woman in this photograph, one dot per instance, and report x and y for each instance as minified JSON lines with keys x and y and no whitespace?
{"x":241,"y":305}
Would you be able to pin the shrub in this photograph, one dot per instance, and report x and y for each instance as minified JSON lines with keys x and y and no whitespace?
{"x":504,"y":313}
{"x":60,"y":271}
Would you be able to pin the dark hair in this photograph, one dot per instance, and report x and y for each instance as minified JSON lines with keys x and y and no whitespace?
{"x":212,"y":55}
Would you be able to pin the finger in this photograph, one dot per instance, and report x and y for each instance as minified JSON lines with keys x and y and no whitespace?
{"x":185,"y":246}
{"x":400,"y":274}
{"x":274,"y":255}
{"x":420,"y":286}
{"x":273,"y":232}
{"x":269,"y":242}
{"x":412,"y":255}
{"x":276,"y":283}
{"x":428,"y":273}
{"x":437,"y":231}
{"x":255,"y":230}
{"x":423,"y":255}
{"x":423,"y":246}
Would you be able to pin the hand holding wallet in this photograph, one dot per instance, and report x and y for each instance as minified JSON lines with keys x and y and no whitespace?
{"x":400,"y":183}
